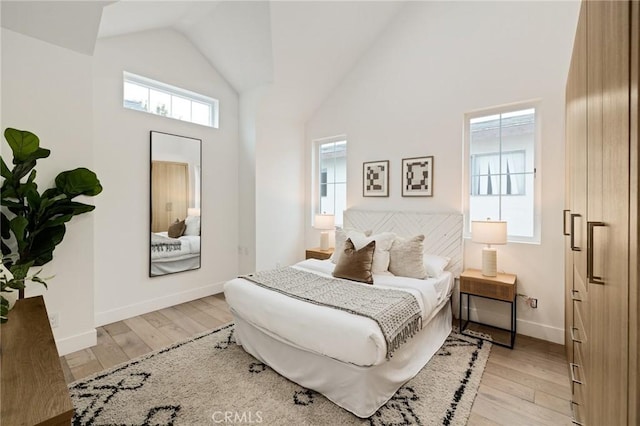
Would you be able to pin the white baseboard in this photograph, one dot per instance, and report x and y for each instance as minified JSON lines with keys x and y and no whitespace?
{"x":124,"y":312}
{"x":524,"y":327}
{"x":75,"y":343}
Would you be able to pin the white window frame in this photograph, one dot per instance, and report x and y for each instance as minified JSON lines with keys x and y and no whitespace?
{"x":537,"y":177}
{"x":315,"y":178}
{"x":172,"y":91}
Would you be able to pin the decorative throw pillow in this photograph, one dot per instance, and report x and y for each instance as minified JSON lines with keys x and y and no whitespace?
{"x":176,"y":229}
{"x":405,"y":257}
{"x":192,"y":224}
{"x":381,"y":255}
{"x":435,"y":264}
{"x":355,"y":265}
{"x":341,"y":237}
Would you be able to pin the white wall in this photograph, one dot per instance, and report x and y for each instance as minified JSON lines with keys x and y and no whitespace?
{"x":48,"y":91}
{"x":123,"y":288}
{"x":407,"y":97}
{"x":279,"y":205}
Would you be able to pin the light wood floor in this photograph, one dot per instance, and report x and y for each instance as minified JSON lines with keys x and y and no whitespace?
{"x":528,"y":385}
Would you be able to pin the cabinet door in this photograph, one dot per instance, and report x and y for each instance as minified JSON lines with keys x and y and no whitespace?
{"x":610,"y":243}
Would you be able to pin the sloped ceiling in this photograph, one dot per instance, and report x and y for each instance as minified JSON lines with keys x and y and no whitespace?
{"x":301,"y":50}
{"x":70,"y":24}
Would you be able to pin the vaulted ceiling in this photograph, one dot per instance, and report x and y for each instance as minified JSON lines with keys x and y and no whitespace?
{"x":300,"y":49}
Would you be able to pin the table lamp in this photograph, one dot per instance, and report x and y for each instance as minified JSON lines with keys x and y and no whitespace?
{"x":489,"y":232}
{"x":324,"y":222}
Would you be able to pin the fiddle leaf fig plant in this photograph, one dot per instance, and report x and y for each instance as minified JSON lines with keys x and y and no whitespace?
{"x":33,"y":223}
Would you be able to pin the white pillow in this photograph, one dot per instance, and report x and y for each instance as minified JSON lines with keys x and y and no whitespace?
{"x":341,"y":237}
{"x":406,"y":257}
{"x":193,"y":225}
{"x":383,"y":241}
{"x":435,"y":264}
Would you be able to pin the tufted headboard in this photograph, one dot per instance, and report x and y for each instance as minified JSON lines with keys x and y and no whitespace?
{"x":442,"y":231}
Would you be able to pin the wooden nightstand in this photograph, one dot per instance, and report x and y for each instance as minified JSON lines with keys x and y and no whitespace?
{"x":502,"y":287}
{"x":316,"y":253}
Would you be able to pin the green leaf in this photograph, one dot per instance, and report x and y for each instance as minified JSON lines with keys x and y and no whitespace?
{"x":23,"y":144}
{"x":18,"y":226}
{"x":20,"y":271}
{"x":22,"y":169}
{"x":4,"y":226}
{"x":43,"y":244}
{"x":32,"y":176}
{"x":80,"y":181}
{"x":4,"y":170}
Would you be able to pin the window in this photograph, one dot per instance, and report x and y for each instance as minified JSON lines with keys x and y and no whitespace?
{"x":144,"y":94}
{"x":501,"y":147}
{"x":331,"y":177}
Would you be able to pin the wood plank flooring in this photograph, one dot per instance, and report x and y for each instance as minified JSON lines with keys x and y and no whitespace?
{"x":528,"y":385}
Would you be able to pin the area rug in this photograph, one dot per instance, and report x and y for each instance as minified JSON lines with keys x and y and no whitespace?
{"x":210,"y":380}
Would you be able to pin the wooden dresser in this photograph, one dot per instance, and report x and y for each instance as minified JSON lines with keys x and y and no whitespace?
{"x":601,"y":214}
{"x":33,"y":389}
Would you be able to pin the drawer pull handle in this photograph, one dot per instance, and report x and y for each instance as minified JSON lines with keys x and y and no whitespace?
{"x":574,"y":418}
{"x":593,"y":279}
{"x":564,"y":222}
{"x":575,"y":296}
{"x":573,"y":376}
{"x":573,"y":233}
{"x":573,"y":336}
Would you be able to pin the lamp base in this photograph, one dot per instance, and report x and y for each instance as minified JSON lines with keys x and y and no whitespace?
{"x":324,"y":240}
{"x":489,"y":262}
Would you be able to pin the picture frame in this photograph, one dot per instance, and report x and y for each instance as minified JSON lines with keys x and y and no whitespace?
{"x":375,"y":179}
{"x":417,"y":177}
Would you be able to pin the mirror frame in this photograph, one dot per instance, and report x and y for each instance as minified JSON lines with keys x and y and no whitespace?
{"x":198,"y":193}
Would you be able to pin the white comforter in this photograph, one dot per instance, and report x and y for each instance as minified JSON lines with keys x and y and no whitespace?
{"x":327,"y":331}
{"x":189,"y":245}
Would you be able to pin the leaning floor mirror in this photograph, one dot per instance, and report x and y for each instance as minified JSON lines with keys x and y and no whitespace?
{"x":175,"y":204}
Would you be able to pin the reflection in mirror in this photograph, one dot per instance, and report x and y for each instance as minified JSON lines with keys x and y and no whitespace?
{"x":175,"y":204}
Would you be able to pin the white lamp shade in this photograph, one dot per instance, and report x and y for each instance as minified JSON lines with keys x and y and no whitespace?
{"x":324,"y":221}
{"x":489,"y":231}
{"x":193,"y":212}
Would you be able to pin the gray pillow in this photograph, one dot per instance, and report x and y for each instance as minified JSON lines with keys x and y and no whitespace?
{"x":355,"y":265}
{"x":405,"y":257}
{"x":176,"y":229}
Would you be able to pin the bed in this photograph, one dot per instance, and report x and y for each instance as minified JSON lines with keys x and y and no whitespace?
{"x":344,"y":356}
{"x":169,"y":255}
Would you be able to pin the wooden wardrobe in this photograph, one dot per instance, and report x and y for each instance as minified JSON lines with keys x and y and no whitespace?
{"x":601,"y":214}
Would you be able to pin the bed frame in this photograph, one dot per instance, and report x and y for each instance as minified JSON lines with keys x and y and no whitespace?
{"x":363,"y":390}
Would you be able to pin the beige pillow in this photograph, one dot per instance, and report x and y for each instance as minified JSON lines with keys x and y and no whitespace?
{"x":341,"y":237}
{"x":355,"y":265}
{"x":176,"y":229}
{"x":405,"y":257}
{"x":381,"y":255}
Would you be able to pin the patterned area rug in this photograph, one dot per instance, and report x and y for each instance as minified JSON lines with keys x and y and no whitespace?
{"x":210,"y":380}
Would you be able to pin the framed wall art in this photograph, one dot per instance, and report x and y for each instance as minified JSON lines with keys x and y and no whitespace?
{"x":375,"y":179}
{"x":417,"y":177}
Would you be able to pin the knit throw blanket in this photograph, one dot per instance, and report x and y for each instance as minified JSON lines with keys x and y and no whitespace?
{"x":397,"y":312}
{"x":160,"y":243}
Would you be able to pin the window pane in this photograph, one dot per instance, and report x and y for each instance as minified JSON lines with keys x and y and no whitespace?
{"x":180,"y":108}
{"x":519,"y":211}
{"x":201,"y":113}
{"x":136,"y":97}
{"x":502,"y":169}
{"x":160,"y":102}
{"x":332,"y":163}
{"x":144,"y":94}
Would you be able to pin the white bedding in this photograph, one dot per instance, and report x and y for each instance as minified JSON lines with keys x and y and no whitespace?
{"x":189,"y":246}
{"x":326,"y":331}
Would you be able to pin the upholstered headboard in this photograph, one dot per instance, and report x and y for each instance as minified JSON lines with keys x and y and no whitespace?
{"x":442,"y":231}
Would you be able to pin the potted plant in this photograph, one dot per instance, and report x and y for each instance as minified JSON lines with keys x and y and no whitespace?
{"x":33,"y":223}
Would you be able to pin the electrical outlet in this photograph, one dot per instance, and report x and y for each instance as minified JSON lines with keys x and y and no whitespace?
{"x":54,"y":320}
{"x":533,"y":303}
